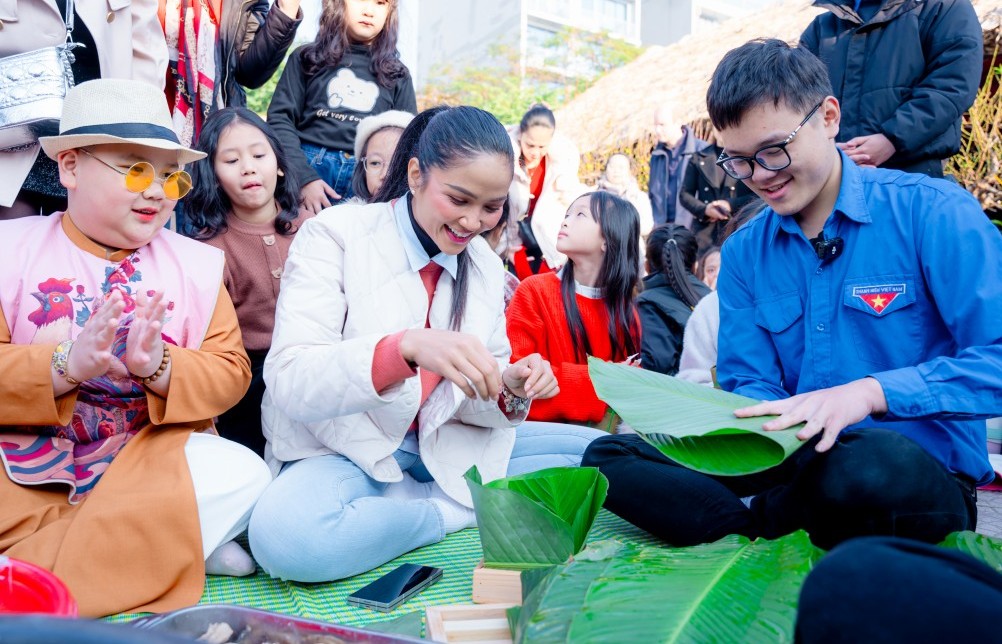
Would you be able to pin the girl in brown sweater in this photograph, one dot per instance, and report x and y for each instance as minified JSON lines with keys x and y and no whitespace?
{"x":246,"y":202}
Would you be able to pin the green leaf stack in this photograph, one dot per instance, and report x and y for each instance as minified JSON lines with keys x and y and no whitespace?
{"x":981,"y":547}
{"x":734,"y":590}
{"x":692,"y":424}
{"x":537,"y":519}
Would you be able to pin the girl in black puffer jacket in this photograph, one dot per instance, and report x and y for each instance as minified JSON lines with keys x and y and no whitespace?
{"x":670,"y":292}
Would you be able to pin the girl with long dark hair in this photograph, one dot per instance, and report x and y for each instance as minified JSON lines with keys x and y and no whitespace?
{"x":671,"y":291}
{"x":585,"y":310}
{"x":389,"y":375}
{"x":245,"y":202}
{"x":351,"y":71}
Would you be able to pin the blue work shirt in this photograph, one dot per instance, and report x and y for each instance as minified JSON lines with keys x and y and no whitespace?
{"x":913,"y":300}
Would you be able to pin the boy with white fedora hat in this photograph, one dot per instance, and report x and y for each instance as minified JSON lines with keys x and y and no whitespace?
{"x":119,"y":345}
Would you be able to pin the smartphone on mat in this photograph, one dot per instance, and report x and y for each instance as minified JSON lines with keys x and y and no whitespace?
{"x":395,"y":587}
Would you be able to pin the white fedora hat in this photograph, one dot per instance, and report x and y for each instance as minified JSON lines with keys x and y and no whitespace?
{"x":115,"y":110}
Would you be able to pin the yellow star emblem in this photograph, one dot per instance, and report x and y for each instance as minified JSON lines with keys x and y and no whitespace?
{"x":879,"y":302}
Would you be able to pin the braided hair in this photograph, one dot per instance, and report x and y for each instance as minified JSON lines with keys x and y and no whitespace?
{"x":671,"y":250}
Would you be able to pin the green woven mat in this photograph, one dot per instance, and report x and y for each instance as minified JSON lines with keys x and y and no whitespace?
{"x":458,"y":554}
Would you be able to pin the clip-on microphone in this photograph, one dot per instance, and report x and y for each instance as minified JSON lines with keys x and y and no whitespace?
{"x":827,"y":249}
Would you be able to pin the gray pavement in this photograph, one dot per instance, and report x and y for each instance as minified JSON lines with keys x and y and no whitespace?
{"x":990,"y":513}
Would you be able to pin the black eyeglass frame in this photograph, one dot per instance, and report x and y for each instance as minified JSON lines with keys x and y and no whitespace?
{"x":723,"y":160}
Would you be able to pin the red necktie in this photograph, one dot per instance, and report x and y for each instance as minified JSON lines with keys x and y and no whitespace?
{"x":429,"y":277}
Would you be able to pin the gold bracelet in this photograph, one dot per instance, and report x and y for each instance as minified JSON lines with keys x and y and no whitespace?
{"x":160,"y":370}
{"x":60,"y":360}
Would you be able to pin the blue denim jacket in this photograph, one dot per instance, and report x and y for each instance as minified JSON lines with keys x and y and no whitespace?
{"x":914,"y":300}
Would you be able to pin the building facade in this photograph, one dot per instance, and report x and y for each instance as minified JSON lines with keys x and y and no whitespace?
{"x":668,"y":21}
{"x":451,"y":34}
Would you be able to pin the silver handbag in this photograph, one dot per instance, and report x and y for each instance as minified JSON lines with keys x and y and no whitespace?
{"x":32,"y":88}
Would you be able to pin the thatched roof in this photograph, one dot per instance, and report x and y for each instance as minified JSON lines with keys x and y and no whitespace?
{"x":619,"y":108}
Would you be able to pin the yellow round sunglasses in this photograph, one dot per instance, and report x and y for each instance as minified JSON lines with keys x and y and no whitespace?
{"x":142,"y":174}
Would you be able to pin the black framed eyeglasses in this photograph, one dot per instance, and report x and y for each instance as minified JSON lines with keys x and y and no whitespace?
{"x":373,"y":165}
{"x":772,"y":157}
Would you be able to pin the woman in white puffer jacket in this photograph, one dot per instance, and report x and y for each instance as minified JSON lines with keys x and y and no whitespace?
{"x":389,"y":375}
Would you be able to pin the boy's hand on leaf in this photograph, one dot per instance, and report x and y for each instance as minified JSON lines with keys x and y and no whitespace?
{"x":826,"y":411}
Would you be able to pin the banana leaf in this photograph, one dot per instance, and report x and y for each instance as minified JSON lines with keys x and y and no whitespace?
{"x":692,"y":424}
{"x":537,"y":519}
{"x":981,"y":547}
{"x":733,"y":590}
{"x":410,"y":624}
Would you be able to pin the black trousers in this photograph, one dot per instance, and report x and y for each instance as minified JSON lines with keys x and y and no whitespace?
{"x":242,"y":423}
{"x":872,"y":482}
{"x":881,"y":589}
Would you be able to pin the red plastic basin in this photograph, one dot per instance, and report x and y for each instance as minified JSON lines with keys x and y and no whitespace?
{"x":27,"y":588}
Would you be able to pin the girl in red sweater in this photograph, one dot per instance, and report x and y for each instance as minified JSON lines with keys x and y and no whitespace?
{"x":588,"y":308}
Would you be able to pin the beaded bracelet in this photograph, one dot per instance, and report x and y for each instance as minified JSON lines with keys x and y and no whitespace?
{"x":512,"y":402}
{"x":160,"y":370}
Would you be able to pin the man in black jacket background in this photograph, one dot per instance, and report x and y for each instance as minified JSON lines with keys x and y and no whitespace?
{"x":711,"y":195}
{"x":904,"y":71}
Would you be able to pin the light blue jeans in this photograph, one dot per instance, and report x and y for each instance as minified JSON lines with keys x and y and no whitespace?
{"x":333,"y":166}
{"x":323,"y":518}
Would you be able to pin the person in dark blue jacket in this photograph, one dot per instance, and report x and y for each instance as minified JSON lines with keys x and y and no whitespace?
{"x":903,"y":71}
{"x":669,"y":159}
{"x":862,"y":302}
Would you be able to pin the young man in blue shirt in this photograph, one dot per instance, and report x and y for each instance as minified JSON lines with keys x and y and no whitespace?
{"x":864,"y":302}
